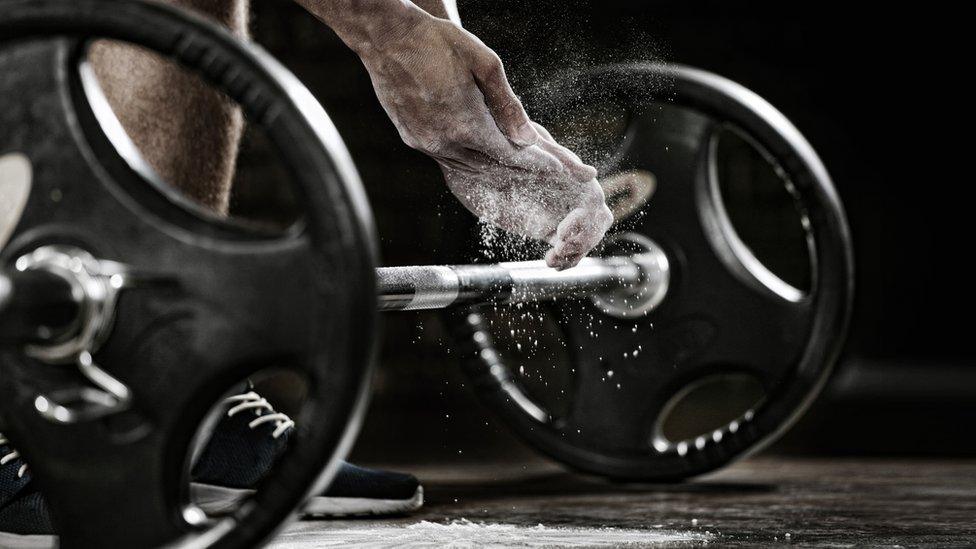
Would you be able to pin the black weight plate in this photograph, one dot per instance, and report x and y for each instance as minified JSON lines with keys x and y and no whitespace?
{"x":236,"y":301}
{"x":601,"y":386}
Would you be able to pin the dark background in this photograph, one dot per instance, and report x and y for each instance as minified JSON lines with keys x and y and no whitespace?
{"x":876,"y":92}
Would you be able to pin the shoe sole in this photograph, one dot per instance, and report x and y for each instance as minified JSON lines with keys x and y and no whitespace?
{"x":18,"y":541}
{"x":331,"y":507}
{"x":219,"y":500}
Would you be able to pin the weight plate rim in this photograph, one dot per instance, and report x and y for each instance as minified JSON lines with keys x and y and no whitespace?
{"x":711,"y":95}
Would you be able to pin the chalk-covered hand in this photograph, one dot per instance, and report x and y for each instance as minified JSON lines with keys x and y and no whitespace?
{"x":449,"y":97}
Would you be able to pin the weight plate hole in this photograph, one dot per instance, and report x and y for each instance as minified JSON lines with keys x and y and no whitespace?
{"x":760,"y":215}
{"x":705,"y":409}
{"x":263,"y":195}
{"x":529,"y":343}
{"x":627,"y":192}
{"x":16,"y":174}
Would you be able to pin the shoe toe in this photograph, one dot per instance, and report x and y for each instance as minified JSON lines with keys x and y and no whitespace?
{"x":361,"y":482}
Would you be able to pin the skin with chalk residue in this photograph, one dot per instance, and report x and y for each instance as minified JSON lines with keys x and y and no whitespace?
{"x":448,"y":96}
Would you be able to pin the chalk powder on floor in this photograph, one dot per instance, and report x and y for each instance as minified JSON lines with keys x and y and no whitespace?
{"x":464,"y":533}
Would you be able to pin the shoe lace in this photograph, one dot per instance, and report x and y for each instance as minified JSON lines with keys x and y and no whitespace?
{"x":10,"y":455}
{"x":260,"y":405}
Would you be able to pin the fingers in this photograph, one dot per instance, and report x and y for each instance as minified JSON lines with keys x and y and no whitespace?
{"x":504,"y":105}
{"x":546,"y":136}
{"x":572,"y":163}
{"x":569,"y":159}
{"x":532,"y":158}
{"x":546,"y":156}
{"x":543,"y":131}
{"x":477,"y":142}
{"x":576,"y":235}
{"x":536,"y":147}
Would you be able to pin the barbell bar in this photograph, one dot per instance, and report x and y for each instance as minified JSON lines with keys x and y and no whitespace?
{"x":634,"y":282}
{"x":45,"y":302}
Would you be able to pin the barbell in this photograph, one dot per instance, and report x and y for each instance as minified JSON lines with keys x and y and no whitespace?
{"x":126,"y":312}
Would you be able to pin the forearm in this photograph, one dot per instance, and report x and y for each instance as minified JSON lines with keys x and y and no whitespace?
{"x":365,"y":25}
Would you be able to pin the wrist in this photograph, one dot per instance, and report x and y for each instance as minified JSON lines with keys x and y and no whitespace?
{"x":366,"y":25}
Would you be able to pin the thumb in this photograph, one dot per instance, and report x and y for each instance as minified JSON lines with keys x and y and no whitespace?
{"x":502,"y":102}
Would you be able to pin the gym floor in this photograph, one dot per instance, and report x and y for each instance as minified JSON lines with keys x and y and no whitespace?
{"x":763,"y":501}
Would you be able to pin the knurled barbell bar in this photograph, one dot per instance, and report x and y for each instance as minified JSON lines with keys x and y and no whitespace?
{"x":638,"y":282}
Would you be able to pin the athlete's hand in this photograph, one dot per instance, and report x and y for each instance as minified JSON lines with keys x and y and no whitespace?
{"x":449,"y":97}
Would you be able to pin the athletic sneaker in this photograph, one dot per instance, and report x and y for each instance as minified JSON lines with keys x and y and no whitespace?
{"x":242,"y":449}
{"x":244,"y":446}
{"x":24,"y":518}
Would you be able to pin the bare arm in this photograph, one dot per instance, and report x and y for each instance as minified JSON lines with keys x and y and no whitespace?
{"x":448,"y":96}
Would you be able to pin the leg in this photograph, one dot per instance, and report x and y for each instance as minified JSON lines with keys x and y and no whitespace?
{"x":188,"y":132}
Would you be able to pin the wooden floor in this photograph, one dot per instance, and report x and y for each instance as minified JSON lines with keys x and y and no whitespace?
{"x":822,"y":502}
